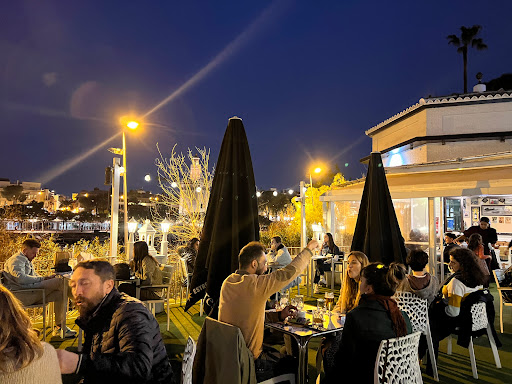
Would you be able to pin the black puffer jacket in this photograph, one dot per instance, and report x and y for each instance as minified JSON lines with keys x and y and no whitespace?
{"x":123,"y":344}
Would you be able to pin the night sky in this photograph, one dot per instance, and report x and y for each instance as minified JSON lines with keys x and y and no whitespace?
{"x":307,"y":78}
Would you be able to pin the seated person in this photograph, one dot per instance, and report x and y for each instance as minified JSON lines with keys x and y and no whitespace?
{"x":420,"y":282}
{"x":484,"y":261}
{"x":244,"y":294}
{"x":23,"y":358}
{"x":147,"y":269}
{"x":279,"y":255}
{"x":467,"y":278}
{"x":449,"y":239}
{"x":328,"y":247}
{"x":348,"y":300}
{"x":189,"y":253}
{"x":19,"y":273}
{"x":376,"y":318}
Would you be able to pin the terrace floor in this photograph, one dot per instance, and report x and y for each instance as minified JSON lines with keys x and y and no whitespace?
{"x":452,"y":369}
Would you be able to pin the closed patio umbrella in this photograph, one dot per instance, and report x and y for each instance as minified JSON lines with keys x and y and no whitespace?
{"x":377,"y":232}
{"x":231,"y":219}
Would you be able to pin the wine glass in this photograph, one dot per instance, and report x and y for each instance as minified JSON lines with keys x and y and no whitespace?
{"x":299,"y":302}
{"x":284,"y":299}
{"x":320,"y":305}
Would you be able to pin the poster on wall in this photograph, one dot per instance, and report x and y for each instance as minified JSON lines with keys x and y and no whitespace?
{"x":475,"y":214}
{"x":496,"y":210}
{"x":494,"y":201}
{"x":474,"y":201}
{"x":494,"y":219}
{"x":501,"y":220}
{"x":508,"y":220}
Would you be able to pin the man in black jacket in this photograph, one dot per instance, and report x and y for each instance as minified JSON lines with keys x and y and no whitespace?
{"x":122,"y":338}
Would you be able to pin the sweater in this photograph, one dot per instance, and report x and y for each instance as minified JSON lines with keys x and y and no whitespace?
{"x":151,"y":273}
{"x":243,"y":297}
{"x":455,"y":292}
{"x":19,"y":273}
{"x":44,"y":370}
{"x":429,"y":290}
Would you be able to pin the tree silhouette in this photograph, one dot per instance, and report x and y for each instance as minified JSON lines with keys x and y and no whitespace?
{"x":14,"y":193}
{"x":467,"y":38}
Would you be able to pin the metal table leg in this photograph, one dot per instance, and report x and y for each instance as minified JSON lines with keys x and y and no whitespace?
{"x":302,"y":374}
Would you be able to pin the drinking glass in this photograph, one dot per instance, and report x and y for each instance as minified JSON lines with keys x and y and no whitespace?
{"x":318,"y":318}
{"x":329,"y":300}
{"x":299,"y":302}
{"x":320,"y":305}
{"x":284,"y":299}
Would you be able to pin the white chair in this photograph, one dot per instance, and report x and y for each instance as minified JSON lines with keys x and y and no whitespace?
{"x":417,"y":310}
{"x":479,"y":321}
{"x":397,"y":360}
{"x":499,"y":275}
{"x":188,"y":361}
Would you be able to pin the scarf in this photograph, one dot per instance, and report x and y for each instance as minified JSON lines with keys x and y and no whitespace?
{"x":390,"y":305}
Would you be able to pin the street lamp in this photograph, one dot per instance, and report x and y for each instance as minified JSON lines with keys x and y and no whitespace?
{"x":130,"y":124}
{"x":132,"y":227}
{"x":165,"y":225}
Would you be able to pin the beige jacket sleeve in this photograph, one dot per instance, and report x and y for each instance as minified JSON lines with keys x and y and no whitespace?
{"x":277,"y":280}
{"x":148,"y":269}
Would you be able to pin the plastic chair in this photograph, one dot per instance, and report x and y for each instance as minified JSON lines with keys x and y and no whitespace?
{"x":479,"y":321}
{"x":499,"y":275}
{"x":397,"y":360}
{"x":18,"y":293}
{"x":417,"y":310}
{"x":188,"y":361}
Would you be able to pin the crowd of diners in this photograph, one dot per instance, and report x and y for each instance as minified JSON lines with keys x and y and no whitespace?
{"x":123,"y":341}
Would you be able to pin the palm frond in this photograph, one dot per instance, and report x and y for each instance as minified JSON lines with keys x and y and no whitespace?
{"x":453,"y":39}
{"x":478,"y":44}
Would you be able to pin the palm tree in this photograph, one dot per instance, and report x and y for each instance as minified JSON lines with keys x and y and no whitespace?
{"x":467,"y":38}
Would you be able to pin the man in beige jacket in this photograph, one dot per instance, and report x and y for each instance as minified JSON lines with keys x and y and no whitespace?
{"x":244,"y":294}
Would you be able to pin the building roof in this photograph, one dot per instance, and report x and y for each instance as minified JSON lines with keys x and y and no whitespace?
{"x":460,"y":99}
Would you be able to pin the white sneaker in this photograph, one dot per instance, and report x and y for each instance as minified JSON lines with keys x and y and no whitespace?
{"x":322,"y":281}
{"x":316,"y":290}
{"x":69,"y":333}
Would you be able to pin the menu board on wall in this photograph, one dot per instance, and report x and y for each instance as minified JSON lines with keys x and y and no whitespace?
{"x":496,"y":210}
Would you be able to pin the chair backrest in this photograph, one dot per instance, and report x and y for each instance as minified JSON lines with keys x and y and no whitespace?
{"x":416,"y":308}
{"x":478,"y":316}
{"x":499,"y":275}
{"x":397,"y":360}
{"x":188,"y":361}
{"x":184,"y":270}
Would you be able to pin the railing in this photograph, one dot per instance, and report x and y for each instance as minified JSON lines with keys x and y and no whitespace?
{"x":48,"y":226}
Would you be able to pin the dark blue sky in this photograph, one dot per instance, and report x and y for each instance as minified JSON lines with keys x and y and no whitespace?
{"x":308,"y":78}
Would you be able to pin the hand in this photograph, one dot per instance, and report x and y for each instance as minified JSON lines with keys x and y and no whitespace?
{"x":289,"y":310}
{"x":313,"y":244}
{"x":68,"y":361}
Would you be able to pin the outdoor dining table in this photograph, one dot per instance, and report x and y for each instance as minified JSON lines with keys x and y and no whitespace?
{"x":304,"y":333}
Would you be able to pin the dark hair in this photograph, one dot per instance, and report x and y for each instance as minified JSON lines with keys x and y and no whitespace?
{"x":250,"y":252}
{"x":417,"y":259}
{"x":192,"y":242}
{"x":140,"y":252}
{"x":470,"y":273}
{"x":474,"y":241}
{"x":277,"y":239}
{"x":102,"y":268}
{"x":485,"y":218}
{"x":330,"y":243}
{"x":31,"y":243}
{"x":384,"y":279}
{"x":451,"y":235}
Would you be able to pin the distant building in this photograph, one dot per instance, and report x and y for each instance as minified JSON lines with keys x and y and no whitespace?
{"x":33,"y":192}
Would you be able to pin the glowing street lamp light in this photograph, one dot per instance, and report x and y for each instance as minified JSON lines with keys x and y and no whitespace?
{"x":165,"y":225}
{"x":258,"y":194}
{"x":132,"y":227}
{"x":147,"y":178}
{"x":130,"y":124}
{"x":174,"y":184}
{"x":290,"y":191}
{"x":274,"y":193}
{"x":198,"y":189}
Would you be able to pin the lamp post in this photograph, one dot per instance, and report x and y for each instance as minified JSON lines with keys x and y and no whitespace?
{"x":130,"y":124}
{"x":165,"y":226}
{"x":132,"y":227}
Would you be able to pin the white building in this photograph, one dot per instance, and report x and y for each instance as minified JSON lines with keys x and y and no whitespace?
{"x":448,"y":162}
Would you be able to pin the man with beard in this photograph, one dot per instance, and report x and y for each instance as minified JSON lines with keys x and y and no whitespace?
{"x":244,"y":294}
{"x":122,"y":338}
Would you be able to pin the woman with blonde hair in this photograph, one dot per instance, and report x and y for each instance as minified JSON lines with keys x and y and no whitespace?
{"x":349,"y":293}
{"x":23,"y":358}
{"x":348,"y":300}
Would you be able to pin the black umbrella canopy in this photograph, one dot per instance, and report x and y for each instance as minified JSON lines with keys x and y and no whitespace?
{"x":231,"y":219}
{"x":377,"y":232}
